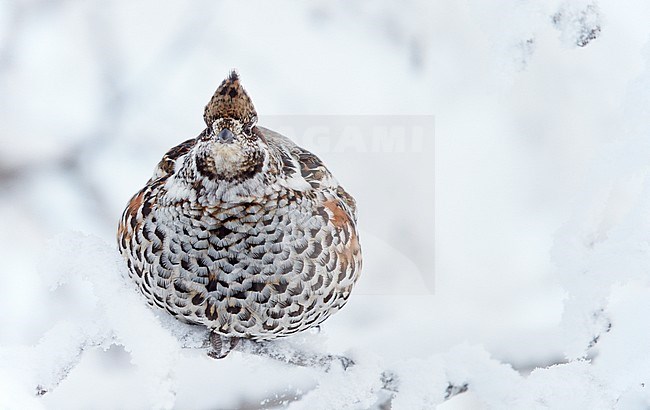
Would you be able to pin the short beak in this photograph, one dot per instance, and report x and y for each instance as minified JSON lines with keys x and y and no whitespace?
{"x":225,"y":136}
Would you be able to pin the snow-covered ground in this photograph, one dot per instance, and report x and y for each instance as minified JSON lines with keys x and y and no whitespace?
{"x":499,"y":153}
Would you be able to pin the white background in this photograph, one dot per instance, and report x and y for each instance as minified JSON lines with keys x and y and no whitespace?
{"x":541,"y":206}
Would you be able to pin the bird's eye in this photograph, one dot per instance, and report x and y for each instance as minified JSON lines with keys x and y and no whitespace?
{"x":250,"y":123}
{"x":248,"y":127}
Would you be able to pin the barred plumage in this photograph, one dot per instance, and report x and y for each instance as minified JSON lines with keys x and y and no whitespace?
{"x":241,"y":230}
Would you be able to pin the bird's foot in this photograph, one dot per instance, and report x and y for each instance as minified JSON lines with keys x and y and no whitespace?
{"x":221,"y":345}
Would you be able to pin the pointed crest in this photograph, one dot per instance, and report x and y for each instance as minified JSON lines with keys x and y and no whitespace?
{"x":230,"y":101}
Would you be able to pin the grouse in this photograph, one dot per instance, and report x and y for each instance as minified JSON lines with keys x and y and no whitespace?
{"x":241,"y":230}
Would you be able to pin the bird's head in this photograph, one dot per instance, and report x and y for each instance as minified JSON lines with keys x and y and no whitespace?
{"x":231,"y":148}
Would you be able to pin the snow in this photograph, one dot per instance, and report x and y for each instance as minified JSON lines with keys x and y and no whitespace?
{"x":507,"y":260}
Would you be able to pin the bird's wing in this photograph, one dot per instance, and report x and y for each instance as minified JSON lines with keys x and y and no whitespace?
{"x":301,"y":167}
{"x":166,"y":165}
{"x":307,"y":166}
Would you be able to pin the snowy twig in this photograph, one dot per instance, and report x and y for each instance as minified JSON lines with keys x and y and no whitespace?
{"x":296,"y":358}
{"x":221,"y":346}
{"x":453,"y":390}
{"x":390,"y":381}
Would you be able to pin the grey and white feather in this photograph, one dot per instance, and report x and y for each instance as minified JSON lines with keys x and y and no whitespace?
{"x":241,"y":230}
